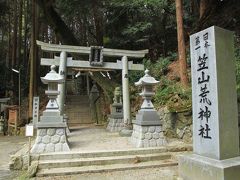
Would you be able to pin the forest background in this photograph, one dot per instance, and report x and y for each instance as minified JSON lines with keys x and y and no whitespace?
{"x":162,"y":26}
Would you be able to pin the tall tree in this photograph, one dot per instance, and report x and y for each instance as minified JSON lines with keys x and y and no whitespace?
{"x":181,"y":44}
{"x":14,"y":39}
{"x":98,"y":21}
{"x":32,"y":82}
{"x":19,"y":41}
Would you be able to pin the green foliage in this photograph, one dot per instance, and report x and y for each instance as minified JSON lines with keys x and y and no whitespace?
{"x":138,"y":24}
{"x":237,"y":58}
{"x":169,"y":92}
{"x":159,"y":68}
{"x":172,"y":94}
{"x":134,"y":76}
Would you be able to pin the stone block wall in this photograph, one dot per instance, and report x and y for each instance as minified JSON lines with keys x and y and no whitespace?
{"x":115,"y":124}
{"x":147,"y":136}
{"x":50,"y":140}
{"x":177,"y":124}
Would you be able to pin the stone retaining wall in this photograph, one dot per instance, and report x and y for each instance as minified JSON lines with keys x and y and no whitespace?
{"x":177,"y":124}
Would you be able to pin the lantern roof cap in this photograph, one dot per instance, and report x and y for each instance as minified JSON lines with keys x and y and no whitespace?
{"x":147,"y":80}
{"x":52,"y":76}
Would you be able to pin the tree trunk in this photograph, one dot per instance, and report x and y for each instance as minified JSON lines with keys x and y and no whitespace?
{"x":32,"y":62}
{"x":181,"y":44}
{"x":98,"y":21}
{"x":14,"y":39}
{"x":19,"y":42}
{"x":36,"y":57}
{"x":25,"y":56}
{"x":202,"y":7}
{"x":9,"y":59}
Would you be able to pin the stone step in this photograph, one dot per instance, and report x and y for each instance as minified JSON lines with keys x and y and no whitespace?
{"x":103,"y":153}
{"x":78,"y":114}
{"x":77,"y":98}
{"x":77,"y":109}
{"x":45,"y":164}
{"x":73,"y":118}
{"x":104,"y":168}
{"x":72,"y":103}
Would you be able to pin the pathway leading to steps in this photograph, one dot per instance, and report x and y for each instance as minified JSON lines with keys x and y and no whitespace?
{"x":87,"y":138}
{"x":96,"y":138}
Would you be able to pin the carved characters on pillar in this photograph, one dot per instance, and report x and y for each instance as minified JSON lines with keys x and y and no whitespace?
{"x":204,"y":81}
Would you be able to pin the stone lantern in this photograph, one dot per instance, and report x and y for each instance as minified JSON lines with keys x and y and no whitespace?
{"x":147,"y":128}
{"x":52,"y":79}
{"x":51,"y":130}
{"x":147,"y":82}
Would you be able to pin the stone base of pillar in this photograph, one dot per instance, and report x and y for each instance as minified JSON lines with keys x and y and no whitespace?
{"x":115,"y":124}
{"x":196,"y":167}
{"x":65,"y":119}
{"x":147,"y":136}
{"x":53,"y":139}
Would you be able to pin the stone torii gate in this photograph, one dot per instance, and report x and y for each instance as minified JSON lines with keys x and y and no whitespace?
{"x":95,"y":61}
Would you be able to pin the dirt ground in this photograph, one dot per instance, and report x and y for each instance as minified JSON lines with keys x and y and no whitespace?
{"x":9,"y":145}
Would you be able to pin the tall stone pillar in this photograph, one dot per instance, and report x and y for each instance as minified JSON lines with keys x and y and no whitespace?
{"x":125,"y":92}
{"x":61,"y":87}
{"x":214,"y":100}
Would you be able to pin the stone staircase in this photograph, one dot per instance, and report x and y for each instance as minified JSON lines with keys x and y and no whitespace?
{"x":77,"y":110}
{"x":67,"y":163}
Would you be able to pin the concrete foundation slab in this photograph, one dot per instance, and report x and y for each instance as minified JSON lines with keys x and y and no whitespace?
{"x":196,"y":167}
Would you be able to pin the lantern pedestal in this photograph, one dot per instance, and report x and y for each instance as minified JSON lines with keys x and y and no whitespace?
{"x":51,"y":133}
{"x":50,"y":139}
{"x":147,"y":128}
{"x":116,"y":122}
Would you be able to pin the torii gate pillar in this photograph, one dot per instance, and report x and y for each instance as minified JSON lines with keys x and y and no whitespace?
{"x":61,"y":87}
{"x":125,"y":90}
